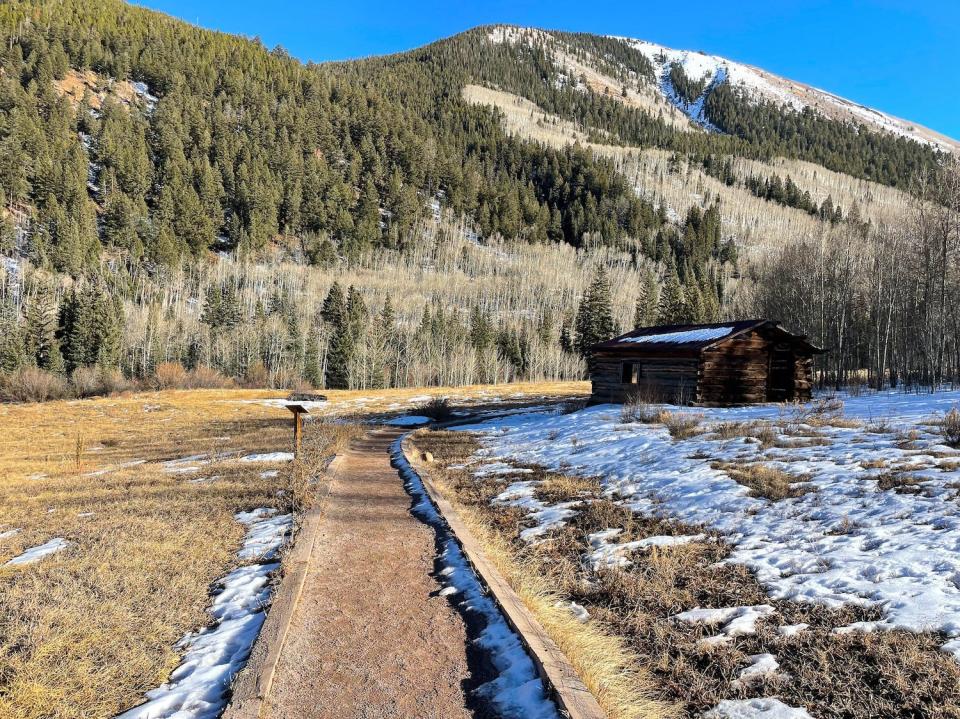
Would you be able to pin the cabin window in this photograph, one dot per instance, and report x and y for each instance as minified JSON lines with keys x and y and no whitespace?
{"x":631,"y":372}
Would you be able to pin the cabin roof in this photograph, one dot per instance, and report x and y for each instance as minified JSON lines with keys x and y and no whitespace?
{"x":692,"y":338}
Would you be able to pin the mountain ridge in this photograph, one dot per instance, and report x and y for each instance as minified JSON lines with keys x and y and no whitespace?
{"x":699,"y":65}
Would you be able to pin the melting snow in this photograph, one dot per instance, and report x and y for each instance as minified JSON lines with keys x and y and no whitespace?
{"x":269,"y":457}
{"x":737,"y":621}
{"x":762,"y":666}
{"x":610,"y":554}
{"x":199,"y":687}
{"x":517,"y":691}
{"x":755,"y":709}
{"x":845,"y":542}
{"x":35,"y":554}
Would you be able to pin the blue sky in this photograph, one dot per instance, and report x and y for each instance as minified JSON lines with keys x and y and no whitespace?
{"x":898,"y":56}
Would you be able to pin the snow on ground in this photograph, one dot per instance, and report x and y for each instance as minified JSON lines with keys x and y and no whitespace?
{"x":546,"y":516}
{"x":6,"y":534}
{"x":755,"y":709}
{"x":612,"y":554}
{"x":410,"y":420}
{"x":845,"y":542}
{"x":268,"y":457}
{"x":517,"y":691}
{"x":199,"y":687}
{"x":35,"y":554}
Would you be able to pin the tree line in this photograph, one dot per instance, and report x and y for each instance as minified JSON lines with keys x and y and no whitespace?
{"x":885,"y":301}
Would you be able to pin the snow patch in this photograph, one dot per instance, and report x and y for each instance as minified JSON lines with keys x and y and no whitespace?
{"x":269,"y":457}
{"x":607,"y":554}
{"x":765,"y":708}
{"x":35,"y":554}
{"x":683,"y":336}
{"x":199,"y":687}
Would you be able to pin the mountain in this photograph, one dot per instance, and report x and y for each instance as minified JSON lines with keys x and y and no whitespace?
{"x":677,"y":69}
{"x":214,"y":189}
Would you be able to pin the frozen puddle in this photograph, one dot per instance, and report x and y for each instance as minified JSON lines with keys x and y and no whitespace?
{"x":410,"y":420}
{"x":35,"y":554}
{"x":517,"y":691}
{"x":199,"y":687}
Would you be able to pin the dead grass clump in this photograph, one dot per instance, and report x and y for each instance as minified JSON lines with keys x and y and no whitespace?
{"x":31,"y":384}
{"x":764,"y":480}
{"x":574,"y":405}
{"x":900,"y":482}
{"x":823,"y":412}
{"x":950,"y":428}
{"x":438,"y":409}
{"x":556,"y":488}
{"x":682,"y":425}
{"x":761,"y":431}
{"x":637,"y":409}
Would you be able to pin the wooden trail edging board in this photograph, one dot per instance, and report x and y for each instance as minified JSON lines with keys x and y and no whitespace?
{"x":571,"y":694}
{"x":253,"y":683}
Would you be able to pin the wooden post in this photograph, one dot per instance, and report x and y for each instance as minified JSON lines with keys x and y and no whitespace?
{"x":298,"y":411}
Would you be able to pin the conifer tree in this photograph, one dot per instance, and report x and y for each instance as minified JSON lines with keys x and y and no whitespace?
{"x":595,"y":316}
{"x":42,"y":346}
{"x":672,"y":308}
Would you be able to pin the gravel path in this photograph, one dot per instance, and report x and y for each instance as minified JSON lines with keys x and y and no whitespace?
{"x":370,"y":637}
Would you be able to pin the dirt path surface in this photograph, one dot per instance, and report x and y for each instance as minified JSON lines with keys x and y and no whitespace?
{"x":370,"y":637}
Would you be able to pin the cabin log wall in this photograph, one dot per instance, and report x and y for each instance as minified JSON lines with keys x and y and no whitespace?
{"x":760,"y":365}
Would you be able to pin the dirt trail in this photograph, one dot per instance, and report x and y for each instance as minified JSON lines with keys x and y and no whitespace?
{"x":370,"y":637}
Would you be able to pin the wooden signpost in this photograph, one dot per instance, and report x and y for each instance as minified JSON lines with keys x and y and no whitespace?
{"x":298,"y":411}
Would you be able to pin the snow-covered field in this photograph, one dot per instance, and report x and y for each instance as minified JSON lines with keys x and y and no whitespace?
{"x":878,"y":523}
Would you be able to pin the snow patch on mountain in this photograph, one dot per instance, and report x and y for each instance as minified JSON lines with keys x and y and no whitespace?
{"x":761,"y":85}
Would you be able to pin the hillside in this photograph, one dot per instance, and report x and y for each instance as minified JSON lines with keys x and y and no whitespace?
{"x":214,"y":191}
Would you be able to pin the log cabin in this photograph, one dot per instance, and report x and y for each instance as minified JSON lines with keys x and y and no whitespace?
{"x":727,"y":363}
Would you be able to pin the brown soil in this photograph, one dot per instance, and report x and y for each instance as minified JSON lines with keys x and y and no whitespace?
{"x":370,"y":637}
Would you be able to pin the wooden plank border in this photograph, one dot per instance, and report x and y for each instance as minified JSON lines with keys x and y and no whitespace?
{"x":253,"y":683}
{"x":572,"y":696}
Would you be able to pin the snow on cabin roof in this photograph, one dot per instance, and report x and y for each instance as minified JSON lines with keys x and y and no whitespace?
{"x":691,"y":338}
{"x":679,"y":337}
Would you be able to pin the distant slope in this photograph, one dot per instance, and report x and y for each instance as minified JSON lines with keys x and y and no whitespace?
{"x":649,"y":95}
{"x":710,"y":71}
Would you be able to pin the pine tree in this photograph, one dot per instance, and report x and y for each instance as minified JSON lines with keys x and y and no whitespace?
{"x":595,"y":316}
{"x":672,"y":307}
{"x":42,"y":346}
{"x":334,"y":307}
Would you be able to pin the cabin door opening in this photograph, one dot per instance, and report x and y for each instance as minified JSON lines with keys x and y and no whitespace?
{"x":780,"y":375}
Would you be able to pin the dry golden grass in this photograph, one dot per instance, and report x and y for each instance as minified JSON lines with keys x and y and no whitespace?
{"x":85,"y":632}
{"x":764,"y":480}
